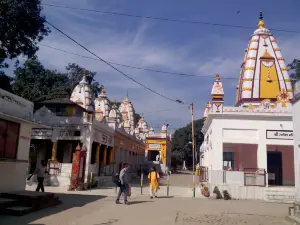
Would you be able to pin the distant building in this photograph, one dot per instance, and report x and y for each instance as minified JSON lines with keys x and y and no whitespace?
{"x":16,"y":121}
{"x":158,"y":149}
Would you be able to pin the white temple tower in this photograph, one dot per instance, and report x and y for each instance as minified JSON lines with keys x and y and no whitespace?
{"x":83,"y":96}
{"x":264,"y":74}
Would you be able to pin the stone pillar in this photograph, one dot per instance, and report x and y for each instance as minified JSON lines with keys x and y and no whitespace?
{"x":105,"y":156}
{"x":54,"y":151}
{"x":111,"y":158}
{"x":98,"y":154}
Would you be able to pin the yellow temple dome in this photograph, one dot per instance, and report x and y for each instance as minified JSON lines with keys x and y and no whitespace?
{"x":263,"y":74}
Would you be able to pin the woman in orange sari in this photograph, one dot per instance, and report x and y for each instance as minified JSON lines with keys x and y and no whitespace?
{"x":153,"y":179}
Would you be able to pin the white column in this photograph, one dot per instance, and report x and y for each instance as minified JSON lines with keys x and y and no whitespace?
{"x":262,"y":156}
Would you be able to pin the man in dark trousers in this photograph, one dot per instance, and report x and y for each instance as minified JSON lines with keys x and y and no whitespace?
{"x":40,"y":172}
{"x":124,"y":184}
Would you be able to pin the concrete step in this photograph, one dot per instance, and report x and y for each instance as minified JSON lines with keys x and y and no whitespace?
{"x":18,"y":210}
{"x":281,"y":195}
{"x":6,"y":202}
{"x":28,"y":201}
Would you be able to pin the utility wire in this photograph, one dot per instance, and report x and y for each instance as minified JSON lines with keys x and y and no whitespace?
{"x":146,"y":69}
{"x":107,"y":63}
{"x":164,"y":19}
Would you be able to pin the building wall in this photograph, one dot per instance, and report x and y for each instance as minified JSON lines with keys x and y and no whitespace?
{"x":17,"y":168}
{"x":124,"y":145}
{"x":245,"y":155}
{"x":242,"y":131}
{"x":16,"y":106}
{"x":296,"y":124}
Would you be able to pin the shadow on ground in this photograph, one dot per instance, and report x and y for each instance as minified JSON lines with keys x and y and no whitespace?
{"x":68,"y":201}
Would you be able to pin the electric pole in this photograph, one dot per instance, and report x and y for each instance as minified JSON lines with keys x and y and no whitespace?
{"x":193,"y":148}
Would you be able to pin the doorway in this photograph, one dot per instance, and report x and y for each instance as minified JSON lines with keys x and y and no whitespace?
{"x":153,"y":155}
{"x":274,"y":161}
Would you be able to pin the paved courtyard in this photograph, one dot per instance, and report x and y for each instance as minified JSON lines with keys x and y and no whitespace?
{"x":98,"y":208}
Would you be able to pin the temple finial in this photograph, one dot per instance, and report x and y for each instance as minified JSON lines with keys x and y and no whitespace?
{"x":217,"y":78}
{"x":84,"y":76}
{"x":261,"y":23}
{"x":261,"y":15}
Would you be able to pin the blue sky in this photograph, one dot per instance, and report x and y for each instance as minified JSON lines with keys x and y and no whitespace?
{"x":176,"y":47}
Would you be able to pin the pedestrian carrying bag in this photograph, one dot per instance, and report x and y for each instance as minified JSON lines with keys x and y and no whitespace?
{"x":116,"y":180}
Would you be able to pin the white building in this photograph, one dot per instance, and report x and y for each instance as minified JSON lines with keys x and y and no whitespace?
{"x":253,"y":139}
{"x":16,"y":121}
{"x":107,"y":133}
{"x":296,"y":121}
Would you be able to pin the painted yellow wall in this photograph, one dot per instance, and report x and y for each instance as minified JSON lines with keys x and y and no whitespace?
{"x":268,"y":89}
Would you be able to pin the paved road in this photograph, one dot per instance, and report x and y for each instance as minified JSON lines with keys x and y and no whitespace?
{"x":93,"y":208}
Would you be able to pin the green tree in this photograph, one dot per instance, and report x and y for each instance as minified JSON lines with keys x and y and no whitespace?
{"x":294,"y":69}
{"x":22,"y":27}
{"x":36,"y":83}
{"x":75,"y":73}
{"x":5,"y":82}
{"x":181,"y":139}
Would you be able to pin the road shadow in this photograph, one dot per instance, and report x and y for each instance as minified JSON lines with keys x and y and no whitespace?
{"x":69,"y":201}
{"x":138,"y":202}
{"x":109,"y":222}
{"x":165,"y":197}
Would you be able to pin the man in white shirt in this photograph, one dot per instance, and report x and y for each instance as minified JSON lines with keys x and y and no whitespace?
{"x":40,"y":172}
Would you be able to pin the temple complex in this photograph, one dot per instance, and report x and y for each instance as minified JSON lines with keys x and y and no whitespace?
{"x":253,"y":140}
{"x":104,"y":135}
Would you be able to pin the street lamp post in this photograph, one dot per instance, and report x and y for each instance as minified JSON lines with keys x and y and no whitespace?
{"x":193,"y":148}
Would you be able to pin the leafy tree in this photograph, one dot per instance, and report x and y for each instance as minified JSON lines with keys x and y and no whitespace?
{"x":5,"y":82}
{"x":294,"y":69}
{"x":181,"y":149}
{"x":22,"y":27}
{"x":36,"y":83}
{"x":75,"y":73}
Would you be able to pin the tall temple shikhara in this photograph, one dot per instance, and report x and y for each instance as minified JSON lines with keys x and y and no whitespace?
{"x":258,"y":131}
{"x":264,"y":74}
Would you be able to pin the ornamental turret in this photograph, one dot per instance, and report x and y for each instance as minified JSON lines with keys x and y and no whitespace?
{"x":217,"y":96}
{"x":128,"y":115}
{"x":102,"y":106}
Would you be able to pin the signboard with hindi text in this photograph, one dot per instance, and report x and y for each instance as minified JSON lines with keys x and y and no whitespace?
{"x":279,"y":134}
{"x":154,"y":146}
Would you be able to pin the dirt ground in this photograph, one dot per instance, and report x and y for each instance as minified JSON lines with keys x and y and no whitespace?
{"x":98,"y":208}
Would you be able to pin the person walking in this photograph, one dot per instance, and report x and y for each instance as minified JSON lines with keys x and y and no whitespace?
{"x":153,"y":179}
{"x":40,"y":172}
{"x":124,"y":184}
